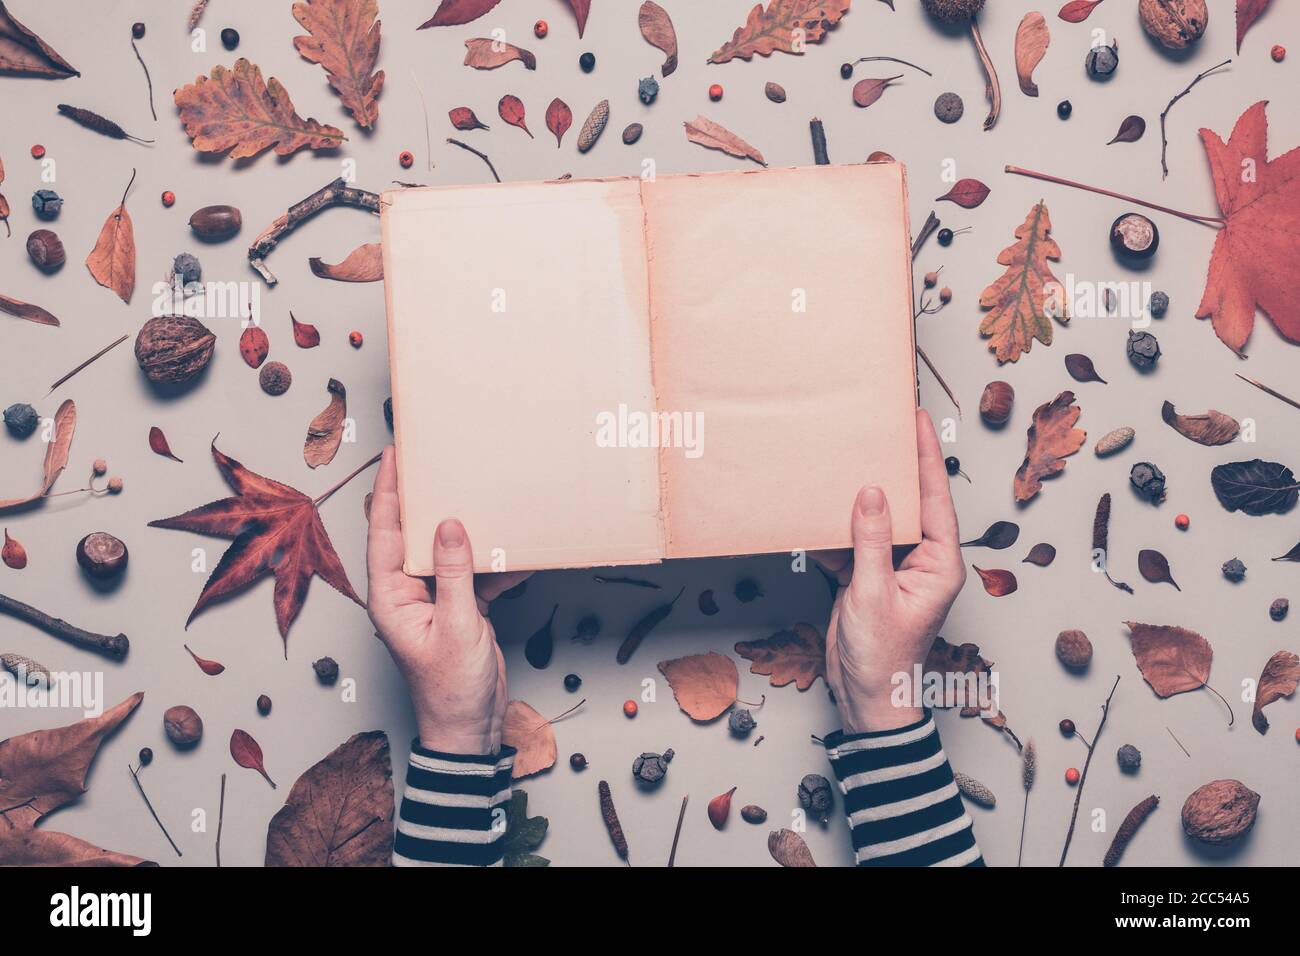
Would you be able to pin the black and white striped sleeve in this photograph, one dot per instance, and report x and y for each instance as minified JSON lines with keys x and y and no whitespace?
{"x":453,"y":809}
{"x":902,"y":804}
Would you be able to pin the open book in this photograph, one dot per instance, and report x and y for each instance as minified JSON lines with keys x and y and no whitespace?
{"x":606,"y":372}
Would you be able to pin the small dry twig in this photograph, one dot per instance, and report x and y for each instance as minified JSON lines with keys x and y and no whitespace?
{"x":1083,"y":777}
{"x":1268,"y":391}
{"x":98,"y":355}
{"x":221,"y":816}
{"x":337,"y":193}
{"x":114,"y":646}
{"x":147,"y":78}
{"x":152,"y":812}
{"x":820,"y":156}
{"x":681,"y":815}
{"x":1164,"y":139}
{"x":482,"y":156}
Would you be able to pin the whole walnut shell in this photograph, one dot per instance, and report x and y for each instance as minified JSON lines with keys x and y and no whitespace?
{"x":183,"y":726}
{"x":172,"y":349}
{"x":1177,"y":24}
{"x":1220,"y":812}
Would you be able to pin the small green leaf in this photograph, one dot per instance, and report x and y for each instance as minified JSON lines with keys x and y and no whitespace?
{"x":524,"y":833}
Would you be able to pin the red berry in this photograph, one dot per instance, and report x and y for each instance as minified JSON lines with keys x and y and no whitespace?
{"x":1067,"y":727}
{"x":38,"y":151}
{"x":1072,"y":776}
{"x":169,"y":199}
{"x":715,"y":92}
{"x":1182,"y":522}
{"x":1297,"y":735}
{"x":540,"y":29}
{"x":356,"y":339}
{"x":405,"y":159}
{"x":629,"y":708}
{"x":1278,"y":53}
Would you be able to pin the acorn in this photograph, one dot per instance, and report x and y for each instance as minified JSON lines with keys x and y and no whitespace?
{"x":216,"y":223}
{"x":996,"y":402}
{"x":172,"y":349}
{"x":45,"y":249}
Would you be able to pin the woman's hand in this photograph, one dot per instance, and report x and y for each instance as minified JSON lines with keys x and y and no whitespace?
{"x":884,"y":621}
{"x":440,"y":637}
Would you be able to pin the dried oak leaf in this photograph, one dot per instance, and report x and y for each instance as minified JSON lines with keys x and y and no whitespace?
{"x":23,"y":53}
{"x":48,"y":848}
{"x":363,"y":264}
{"x":711,"y":135}
{"x":112,"y":261}
{"x":704,"y":685}
{"x":789,"y":849}
{"x":523,"y":833}
{"x":1253,"y":262}
{"x":532,"y":736}
{"x":1279,"y":679}
{"x":1027,"y":296}
{"x":340,"y":811}
{"x":1212,"y":428}
{"x":657,"y":28}
{"x":236,"y":110}
{"x":325,"y":433}
{"x":796,"y":655}
{"x":1248,"y":11}
{"x":56,"y":455}
{"x":452,"y":13}
{"x":25,"y":310}
{"x":786,"y":25}
{"x":275,"y":530}
{"x":1052,"y":438}
{"x":1032,"y":38}
{"x":343,"y":37}
{"x":486,"y":54}
{"x":1172,"y":659}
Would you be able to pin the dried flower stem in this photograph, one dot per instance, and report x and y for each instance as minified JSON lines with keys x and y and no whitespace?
{"x":927,"y":230}
{"x":337,"y":193}
{"x":147,"y":78}
{"x":1164,"y":139}
{"x":1028,"y":770}
{"x":677,"y":834}
{"x":221,"y":817}
{"x":1180,"y":744}
{"x":931,"y":224}
{"x":196,"y":14}
{"x":1192,"y":217}
{"x":153,"y":813}
{"x":98,"y":355}
{"x":634,"y":582}
{"x":1083,"y":777}
{"x":428,"y":140}
{"x":1264,"y":388}
{"x":99,"y":124}
{"x":321,"y":500}
{"x":891,"y":59}
{"x":935,"y":372}
{"x":482,"y":156}
{"x":114,"y":646}
{"x":992,"y":88}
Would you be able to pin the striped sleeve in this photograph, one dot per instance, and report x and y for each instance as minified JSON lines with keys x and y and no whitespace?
{"x":902,"y":804}
{"x":453,"y":809}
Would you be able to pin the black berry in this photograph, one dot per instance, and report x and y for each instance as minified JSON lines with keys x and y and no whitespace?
{"x":572,"y":682}
{"x":1279,"y":608}
{"x":846,"y":71}
{"x":263,"y":705}
{"x":1067,"y":727}
{"x":747,"y":589}
{"x":146,"y":756}
{"x":1064,"y":109}
{"x":945,"y":237}
{"x":587,"y":61}
{"x":578,"y":762}
{"x":229,"y":38}
{"x":953,"y":464}
{"x":137,"y":30}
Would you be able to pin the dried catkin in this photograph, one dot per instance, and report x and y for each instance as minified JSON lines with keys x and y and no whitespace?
{"x":1129,"y":827}
{"x":610,"y":816}
{"x":1101,"y":538}
{"x":973,"y":790}
{"x":594,"y":126}
{"x":100,"y":124}
{"x":1029,"y":766}
{"x":25,"y":669}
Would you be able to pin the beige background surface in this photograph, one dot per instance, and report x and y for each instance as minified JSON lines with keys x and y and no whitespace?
{"x":117,"y":408}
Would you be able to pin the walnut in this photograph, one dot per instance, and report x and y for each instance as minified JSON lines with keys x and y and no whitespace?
{"x":1177,"y":24}
{"x":172,"y":349}
{"x":1220,"y":811}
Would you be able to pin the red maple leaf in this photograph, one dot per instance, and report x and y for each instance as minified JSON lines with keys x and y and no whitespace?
{"x":1255,"y":253}
{"x":276,"y":530}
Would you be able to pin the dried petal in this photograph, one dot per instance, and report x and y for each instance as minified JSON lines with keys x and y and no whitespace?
{"x":306,"y":336}
{"x":158,"y":443}
{"x":511,"y":109}
{"x":997,"y":582}
{"x":967,"y":193}
{"x":558,"y":119}
{"x":254,"y":346}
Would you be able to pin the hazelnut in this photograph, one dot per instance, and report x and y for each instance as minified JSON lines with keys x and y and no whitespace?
{"x":172,"y":349}
{"x":996,"y":402}
{"x":46,"y":251}
{"x":275,"y":378}
{"x":1177,"y":24}
{"x":215,"y":223}
{"x":101,"y":555}
{"x":183,"y":726}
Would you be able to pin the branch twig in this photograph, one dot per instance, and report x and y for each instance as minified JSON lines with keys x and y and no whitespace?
{"x":337,"y":193}
{"x":98,"y":355}
{"x":482,"y":156}
{"x":221,"y":816}
{"x":820,"y":156}
{"x":1264,"y":388}
{"x":1083,"y":777}
{"x":681,"y":815}
{"x":152,"y":812}
{"x":114,"y":646}
{"x":1164,"y":139}
{"x":1192,"y":217}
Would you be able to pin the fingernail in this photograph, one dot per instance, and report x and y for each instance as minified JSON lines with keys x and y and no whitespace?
{"x":451,"y":533}
{"x":871,"y":500}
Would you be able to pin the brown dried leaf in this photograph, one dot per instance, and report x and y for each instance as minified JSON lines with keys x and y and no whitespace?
{"x":1041,"y":554}
{"x":486,"y":54}
{"x":254,"y":346}
{"x":532,"y":735}
{"x":1212,"y":428}
{"x":4,"y":203}
{"x":1032,"y":38}
{"x":869,"y":89}
{"x":1154,"y":566}
{"x":1052,"y":438}
{"x":786,"y":25}
{"x":999,"y":536}
{"x":25,"y":310}
{"x":56,"y":455}
{"x":967,"y":193}
{"x":363,"y":264}
{"x":558,"y":119}
{"x":247,"y":752}
{"x":580,"y":8}
{"x":112,"y":261}
{"x":705,"y":685}
{"x":1172,"y":659}
{"x":236,"y":110}
{"x":158,"y":444}
{"x":1280,"y":678}
{"x":47,"y":848}
{"x":711,"y":135}
{"x":463,"y":118}
{"x":959,"y":660}
{"x":789,"y":849}
{"x":325,"y":433}
{"x":344,"y":39}
{"x":997,"y":582}
{"x":1025,"y":294}
{"x":1248,"y":11}
{"x":452,"y":13}
{"x":1130,"y":131}
{"x":23,"y":53}
{"x":795,"y":655}
{"x":511,"y":109}
{"x":340,"y":811}
{"x":1076,"y":11}
{"x":657,"y":28}
{"x":305,"y":335}
{"x":1081,"y":368}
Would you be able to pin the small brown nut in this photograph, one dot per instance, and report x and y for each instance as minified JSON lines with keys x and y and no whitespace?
{"x":101,"y":555}
{"x":183,"y":726}
{"x":996,"y":402}
{"x":1073,"y":649}
{"x":753,"y":813}
{"x":774,"y":92}
{"x":1177,"y":24}
{"x":172,"y":349}
{"x":215,"y":223}
{"x":1220,"y":812}
{"x":275,"y":378}
{"x":46,"y":251}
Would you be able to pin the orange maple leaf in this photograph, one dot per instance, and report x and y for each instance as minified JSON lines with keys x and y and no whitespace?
{"x":1027,"y":296}
{"x":1254,"y":256}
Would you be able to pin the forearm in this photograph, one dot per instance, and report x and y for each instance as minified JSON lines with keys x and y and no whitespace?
{"x":902,"y":804}
{"x":453,"y":809}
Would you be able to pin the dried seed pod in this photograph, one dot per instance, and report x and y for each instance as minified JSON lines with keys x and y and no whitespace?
{"x":632,"y":132}
{"x":183,"y":725}
{"x":173,"y":349}
{"x":649,"y":769}
{"x":948,"y":108}
{"x":13,"y":553}
{"x":46,"y":251}
{"x":25,"y":670}
{"x":1279,"y":608}
{"x":1148,"y":480}
{"x":1220,"y":812}
{"x":974,"y":791}
{"x":1102,"y":61}
{"x":996,"y":403}
{"x":647,"y":90}
{"x":275,"y":378}
{"x":263,"y":705}
{"x":327,"y":670}
{"x":1073,"y":649}
{"x":720,"y":808}
{"x":1129,"y":827}
{"x":1134,"y":236}
{"x":101,"y":555}
{"x":21,"y":419}
{"x":741,"y":723}
{"x":1234,"y":570}
{"x":753,"y":813}
{"x":815,"y":796}
{"x":216,"y":223}
{"x":610,"y":816}
{"x":1129,"y":758}
{"x":774,"y":92}
{"x":1177,"y":24}
{"x":594,"y":126}
{"x":1143,"y":350}
{"x":1114,"y":441}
